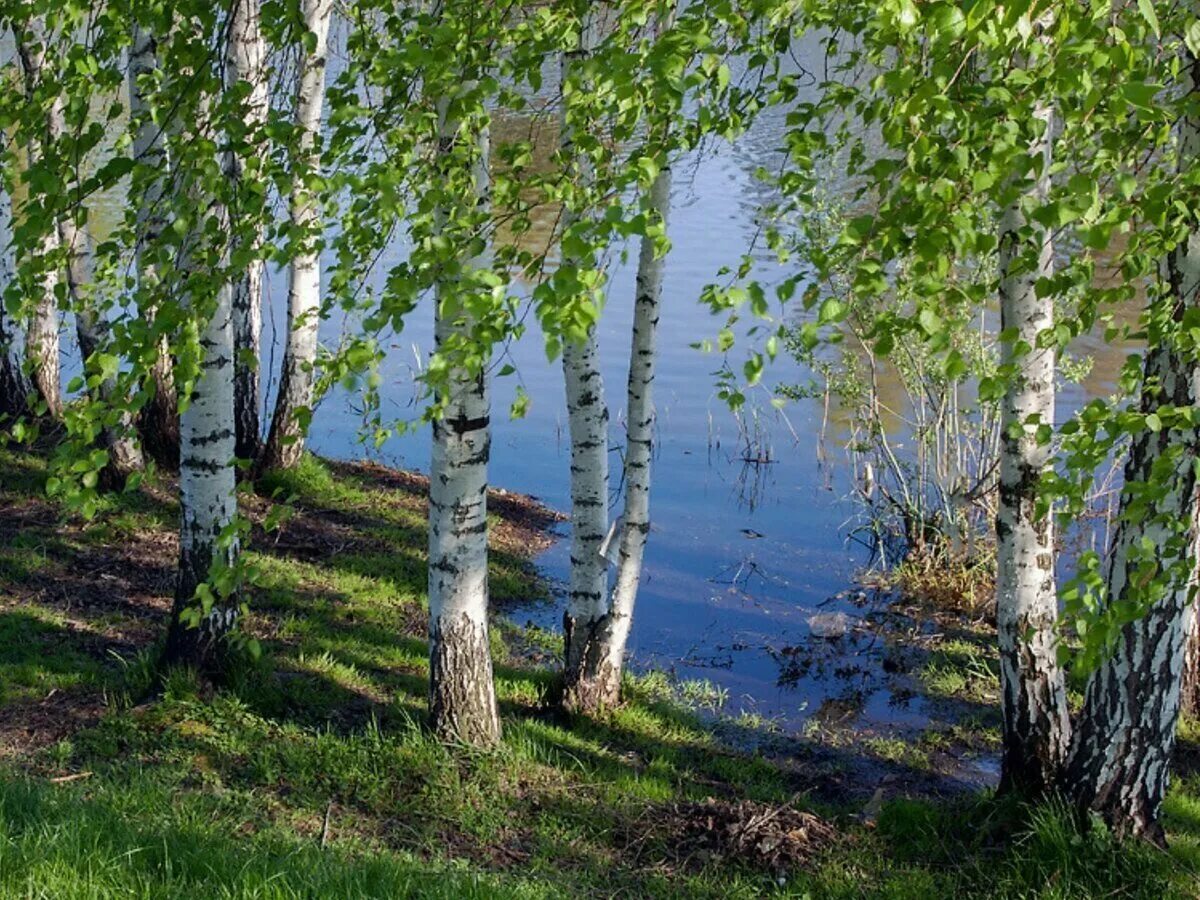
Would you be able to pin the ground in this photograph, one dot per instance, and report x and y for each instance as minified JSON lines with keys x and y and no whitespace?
{"x":312,"y":774}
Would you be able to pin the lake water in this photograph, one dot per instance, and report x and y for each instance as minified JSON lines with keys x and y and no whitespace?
{"x":740,"y":555}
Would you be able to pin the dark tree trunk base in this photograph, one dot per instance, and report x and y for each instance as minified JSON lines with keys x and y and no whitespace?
{"x":248,"y":443}
{"x":206,"y":649}
{"x":590,"y":683}
{"x":14,"y":392}
{"x":158,"y":426}
{"x":462,"y":693}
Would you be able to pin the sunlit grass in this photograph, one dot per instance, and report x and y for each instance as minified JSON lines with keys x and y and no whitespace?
{"x":312,"y":774}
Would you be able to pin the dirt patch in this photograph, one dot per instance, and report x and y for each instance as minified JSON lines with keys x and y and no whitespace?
{"x":313,"y":535}
{"x":778,"y":838}
{"x":26,"y":727}
{"x":114,"y":595}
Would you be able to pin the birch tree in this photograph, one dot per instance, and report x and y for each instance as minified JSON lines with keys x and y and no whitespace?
{"x":15,"y":387}
{"x":462,"y":698}
{"x":293,"y":407}
{"x":1121,"y":754}
{"x":246,"y":70}
{"x":680,"y":75}
{"x":201,"y":619}
{"x":159,"y":417}
{"x":42,"y":341}
{"x":208,"y":600}
{"x":587,"y":415}
{"x":1036,"y":720}
{"x":115,"y":428}
{"x":42,"y":352}
{"x":605,"y":659}
{"x":952,"y":111}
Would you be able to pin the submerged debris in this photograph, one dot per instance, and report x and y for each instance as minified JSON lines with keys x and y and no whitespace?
{"x":829,"y":626}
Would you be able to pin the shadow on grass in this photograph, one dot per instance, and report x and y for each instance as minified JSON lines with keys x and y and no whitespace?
{"x":54,"y":834}
{"x":324,"y":744}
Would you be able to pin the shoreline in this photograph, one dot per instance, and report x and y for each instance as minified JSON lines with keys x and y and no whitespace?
{"x":312,"y":770}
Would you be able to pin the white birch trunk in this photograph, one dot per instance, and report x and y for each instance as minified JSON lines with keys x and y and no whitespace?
{"x":42,"y":332}
{"x":246,"y":61}
{"x":462,"y":698}
{"x":1034,"y":701}
{"x":285,"y":444}
{"x":208,"y":497}
{"x":116,"y":437}
{"x":1121,"y":753}
{"x":15,"y":387}
{"x":197,"y":637}
{"x":606,"y":659}
{"x":587,"y":416}
{"x":159,"y":419}
{"x":42,"y":340}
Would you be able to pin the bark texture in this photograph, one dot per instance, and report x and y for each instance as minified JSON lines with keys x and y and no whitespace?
{"x":158,"y":421}
{"x":462,"y":696}
{"x":603,"y":654}
{"x":246,"y":63}
{"x":117,"y":432}
{"x":587,"y":597}
{"x":1190,"y":691}
{"x":15,"y":387}
{"x":1121,"y":753}
{"x":1036,"y":726}
{"x":42,"y":332}
{"x":208,"y":498}
{"x":285,"y":444}
{"x":584,"y":687}
{"x":42,"y":340}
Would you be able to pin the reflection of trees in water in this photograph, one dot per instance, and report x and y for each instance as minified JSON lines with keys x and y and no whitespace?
{"x":538,"y":130}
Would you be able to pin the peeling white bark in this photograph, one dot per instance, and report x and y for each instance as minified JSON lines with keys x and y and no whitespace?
{"x":246,"y":62}
{"x":587,"y":416}
{"x":15,"y":387}
{"x":462,"y":699}
{"x":285,"y":444}
{"x":1121,"y":753}
{"x":607,"y":662}
{"x":42,"y":332}
{"x":1036,"y":719}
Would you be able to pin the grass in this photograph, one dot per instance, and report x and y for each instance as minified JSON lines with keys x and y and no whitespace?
{"x":965,"y":669}
{"x":312,"y":774}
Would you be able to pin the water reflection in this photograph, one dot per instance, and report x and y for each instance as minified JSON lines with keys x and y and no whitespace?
{"x":748,"y":541}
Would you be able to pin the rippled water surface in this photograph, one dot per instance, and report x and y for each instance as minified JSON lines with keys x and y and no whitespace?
{"x":741,"y":554}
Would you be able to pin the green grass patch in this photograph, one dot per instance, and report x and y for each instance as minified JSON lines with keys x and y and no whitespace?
{"x":312,"y":774}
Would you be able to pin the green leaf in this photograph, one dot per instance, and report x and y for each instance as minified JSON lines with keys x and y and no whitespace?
{"x":1146,"y":8}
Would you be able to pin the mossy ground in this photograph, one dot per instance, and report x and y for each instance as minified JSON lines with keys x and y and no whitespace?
{"x":312,"y":775}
